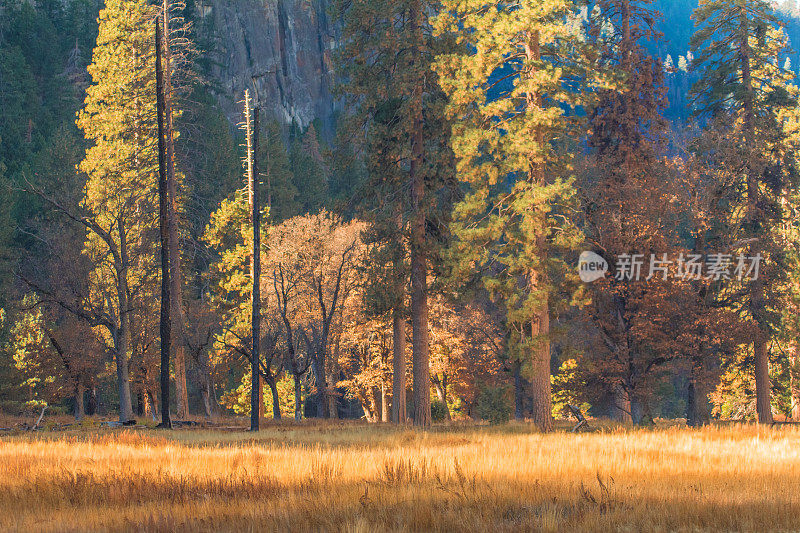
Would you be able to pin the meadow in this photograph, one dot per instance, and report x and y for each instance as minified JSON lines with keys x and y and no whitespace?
{"x":355,"y":477}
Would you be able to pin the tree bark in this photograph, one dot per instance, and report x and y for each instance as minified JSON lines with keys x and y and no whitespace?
{"x":122,"y":336}
{"x":398,"y":367}
{"x":541,"y":388}
{"x":377,"y":402}
{"x":420,"y":345}
{"x":80,"y":389}
{"x":176,"y":274}
{"x":621,"y":409}
{"x":794,"y":379}
{"x":207,"y":393}
{"x":165,"y":326}
{"x":757,"y":300}
{"x":276,"y":402}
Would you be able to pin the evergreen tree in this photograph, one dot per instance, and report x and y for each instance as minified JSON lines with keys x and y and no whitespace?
{"x":121,"y":165}
{"x":507,"y":92}
{"x":387,"y":58}
{"x":739,"y":46}
{"x":308,"y":171}
{"x":281,"y":196}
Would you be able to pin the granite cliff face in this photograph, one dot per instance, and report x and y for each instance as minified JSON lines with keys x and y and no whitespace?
{"x":283,"y":48}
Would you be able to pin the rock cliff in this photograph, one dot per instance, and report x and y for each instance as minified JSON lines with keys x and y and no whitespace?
{"x":283,"y":48}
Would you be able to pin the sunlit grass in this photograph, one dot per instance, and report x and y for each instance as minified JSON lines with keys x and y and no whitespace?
{"x":372,"y":478}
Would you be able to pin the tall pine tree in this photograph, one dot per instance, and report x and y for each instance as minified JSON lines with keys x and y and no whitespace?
{"x":507,"y":87}
{"x":740,"y":50}
{"x":120,"y":122}
{"x":387,"y":57}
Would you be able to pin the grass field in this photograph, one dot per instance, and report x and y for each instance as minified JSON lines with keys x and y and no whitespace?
{"x":347,"y":477}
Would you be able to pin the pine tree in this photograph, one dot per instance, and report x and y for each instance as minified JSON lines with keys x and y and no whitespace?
{"x":739,"y":46}
{"x":387,"y":58}
{"x":506,"y":85}
{"x":121,"y":165}
{"x":280,"y":194}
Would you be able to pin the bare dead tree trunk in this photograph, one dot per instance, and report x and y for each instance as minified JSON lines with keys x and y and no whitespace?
{"x":163,"y":216}
{"x":251,"y":118}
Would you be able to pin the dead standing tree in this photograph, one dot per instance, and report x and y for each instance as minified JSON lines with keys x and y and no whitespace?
{"x":251,"y":131}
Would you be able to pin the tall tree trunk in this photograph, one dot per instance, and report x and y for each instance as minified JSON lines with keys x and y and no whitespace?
{"x":621,"y":408}
{"x":80,"y":390}
{"x":251,"y":116}
{"x":420,"y":346}
{"x":123,"y":378}
{"x":333,"y":409}
{"x":176,"y":275}
{"x":398,"y":367}
{"x":122,"y":341}
{"x":541,"y":388}
{"x":757,"y":298}
{"x":794,"y":380}
{"x":763,"y":384}
{"x":165,"y":326}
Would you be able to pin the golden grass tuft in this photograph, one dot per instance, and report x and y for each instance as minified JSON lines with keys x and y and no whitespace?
{"x":347,"y":477}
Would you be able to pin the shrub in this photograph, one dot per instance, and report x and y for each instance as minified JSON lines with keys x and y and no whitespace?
{"x":494,"y":404}
{"x":438,"y":411}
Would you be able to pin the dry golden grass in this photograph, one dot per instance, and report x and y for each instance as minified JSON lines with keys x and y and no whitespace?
{"x":356,"y":478}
